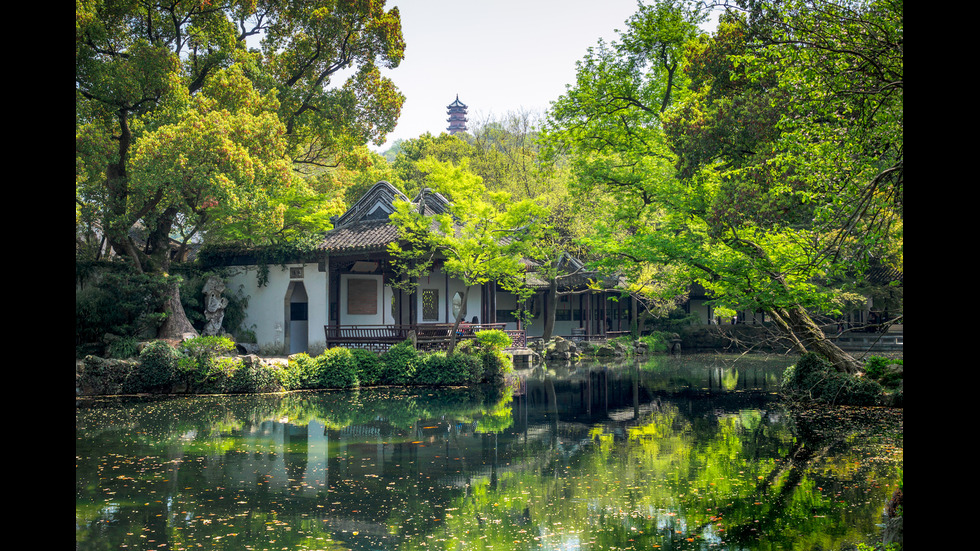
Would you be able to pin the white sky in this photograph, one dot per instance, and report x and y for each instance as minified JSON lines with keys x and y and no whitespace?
{"x":498,"y":55}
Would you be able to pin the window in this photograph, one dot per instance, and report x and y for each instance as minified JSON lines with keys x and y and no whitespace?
{"x":430,"y":304}
{"x":458,"y":304}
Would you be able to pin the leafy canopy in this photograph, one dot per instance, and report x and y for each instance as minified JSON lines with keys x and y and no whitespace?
{"x":197,"y":117}
{"x":481,"y":235}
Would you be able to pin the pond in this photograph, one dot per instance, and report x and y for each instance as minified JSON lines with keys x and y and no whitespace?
{"x":695,"y":452}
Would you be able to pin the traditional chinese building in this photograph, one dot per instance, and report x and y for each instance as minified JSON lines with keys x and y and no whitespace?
{"x":457,"y":116}
{"x":346,"y":292}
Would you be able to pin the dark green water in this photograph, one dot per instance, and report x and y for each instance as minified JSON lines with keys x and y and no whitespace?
{"x":689,"y":453}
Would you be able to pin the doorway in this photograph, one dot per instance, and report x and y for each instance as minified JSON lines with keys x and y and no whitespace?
{"x":297,"y":318}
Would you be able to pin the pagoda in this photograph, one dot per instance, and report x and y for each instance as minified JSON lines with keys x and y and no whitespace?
{"x":457,"y":116}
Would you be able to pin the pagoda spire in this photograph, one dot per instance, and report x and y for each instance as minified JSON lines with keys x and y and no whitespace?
{"x":457,"y":116}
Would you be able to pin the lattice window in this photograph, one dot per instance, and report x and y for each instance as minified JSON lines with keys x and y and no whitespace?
{"x":430,"y":304}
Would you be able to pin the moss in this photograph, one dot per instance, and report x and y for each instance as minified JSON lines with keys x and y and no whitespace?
{"x":814,"y":379}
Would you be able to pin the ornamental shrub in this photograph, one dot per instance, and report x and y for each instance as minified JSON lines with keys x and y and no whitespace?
{"x":496,"y":364}
{"x":300,"y":372}
{"x":238,"y":375}
{"x":368,"y":366}
{"x":399,"y":364}
{"x":493,"y":339}
{"x":118,"y":302}
{"x":200,"y":362}
{"x":246,"y":376}
{"x":207,"y":347}
{"x":438,"y":368}
{"x":158,"y":369}
{"x":877,"y":368}
{"x":335,"y":369}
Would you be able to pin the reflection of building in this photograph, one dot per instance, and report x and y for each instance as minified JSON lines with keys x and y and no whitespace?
{"x":457,"y":116}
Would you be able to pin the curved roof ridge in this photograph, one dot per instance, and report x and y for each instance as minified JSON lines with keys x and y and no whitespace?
{"x":383,"y":192}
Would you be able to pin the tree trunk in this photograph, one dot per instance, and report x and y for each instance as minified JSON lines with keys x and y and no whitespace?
{"x":176,"y":326}
{"x":808,"y":337}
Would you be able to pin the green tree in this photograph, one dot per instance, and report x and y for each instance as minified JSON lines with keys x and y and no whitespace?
{"x":408,"y":163}
{"x":756,"y":171}
{"x":180,"y":129}
{"x":508,"y":155}
{"x":480,"y":238}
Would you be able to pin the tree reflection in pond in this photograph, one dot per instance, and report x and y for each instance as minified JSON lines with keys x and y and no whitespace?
{"x":673,"y":453}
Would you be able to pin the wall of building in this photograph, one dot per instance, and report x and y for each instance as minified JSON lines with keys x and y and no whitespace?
{"x":269,"y":306}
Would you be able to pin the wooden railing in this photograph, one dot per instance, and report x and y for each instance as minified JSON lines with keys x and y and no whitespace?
{"x":426,"y":335}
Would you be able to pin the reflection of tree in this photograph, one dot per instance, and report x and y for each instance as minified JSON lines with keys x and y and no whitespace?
{"x":655,"y":469}
{"x":496,"y":418}
{"x":824,"y":441}
{"x":672,"y":480}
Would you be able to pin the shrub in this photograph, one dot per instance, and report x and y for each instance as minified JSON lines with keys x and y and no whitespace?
{"x":399,"y":364}
{"x":201,"y":347}
{"x":118,"y":303}
{"x":238,"y":375}
{"x":877,"y":369}
{"x":121,"y":347}
{"x":335,"y":369}
{"x":496,"y":364}
{"x":368,"y":366}
{"x":200,"y":362}
{"x":158,"y":369}
{"x":456,"y":369}
{"x":656,"y":342}
{"x":248,"y":376}
{"x":493,"y":339}
{"x":300,"y":372}
{"x":814,"y":378}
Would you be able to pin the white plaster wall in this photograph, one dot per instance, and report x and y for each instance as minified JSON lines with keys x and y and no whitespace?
{"x":267,"y":308}
{"x":536,"y":327}
{"x":702,"y":310}
{"x":506,"y":301}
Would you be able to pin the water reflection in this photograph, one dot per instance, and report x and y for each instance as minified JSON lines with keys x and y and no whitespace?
{"x":669,"y":452}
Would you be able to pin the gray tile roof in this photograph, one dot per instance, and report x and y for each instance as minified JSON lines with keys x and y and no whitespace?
{"x":365,"y":226}
{"x":368,"y":235}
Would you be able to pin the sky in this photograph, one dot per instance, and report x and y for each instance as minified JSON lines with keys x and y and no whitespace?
{"x":498,"y":56}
